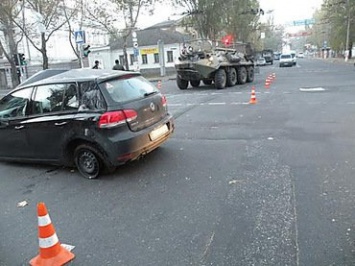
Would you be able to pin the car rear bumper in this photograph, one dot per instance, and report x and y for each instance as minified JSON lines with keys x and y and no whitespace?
{"x":136,"y":144}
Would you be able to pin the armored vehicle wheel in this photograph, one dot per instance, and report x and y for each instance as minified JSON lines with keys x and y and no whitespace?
{"x":231,"y":77}
{"x":207,"y":81}
{"x":220,"y":79}
{"x":250,"y":71}
{"x":242,"y":75}
{"x":182,"y":84}
{"x":195,"y":83}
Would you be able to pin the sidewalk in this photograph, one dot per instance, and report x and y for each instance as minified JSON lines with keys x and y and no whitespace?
{"x":337,"y":60}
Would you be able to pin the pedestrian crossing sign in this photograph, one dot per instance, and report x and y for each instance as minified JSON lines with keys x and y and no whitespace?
{"x":79,"y":36}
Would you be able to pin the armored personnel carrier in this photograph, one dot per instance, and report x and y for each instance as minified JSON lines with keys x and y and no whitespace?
{"x":210,"y":62}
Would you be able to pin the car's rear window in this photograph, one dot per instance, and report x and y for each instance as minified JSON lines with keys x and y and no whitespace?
{"x":128,"y":88}
{"x":284,"y":56}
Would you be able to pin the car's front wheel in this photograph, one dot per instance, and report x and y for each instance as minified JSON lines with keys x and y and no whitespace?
{"x":87,"y":161}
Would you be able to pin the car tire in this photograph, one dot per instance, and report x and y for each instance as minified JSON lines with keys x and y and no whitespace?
{"x":231,"y":77}
{"x":220,"y":79}
{"x":195,"y":83}
{"x":88,"y":161}
{"x":181,"y":83}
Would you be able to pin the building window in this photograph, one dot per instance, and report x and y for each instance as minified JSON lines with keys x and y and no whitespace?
{"x":144,"y":59}
{"x":156,"y":58}
{"x":131,"y":57}
{"x":170,"y":56}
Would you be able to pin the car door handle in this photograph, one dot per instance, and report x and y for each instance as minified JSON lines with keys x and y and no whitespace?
{"x":19,"y":127}
{"x":60,"y":124}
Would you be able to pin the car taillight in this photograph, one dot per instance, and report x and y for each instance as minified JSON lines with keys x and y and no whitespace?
{"x":112,"y":119}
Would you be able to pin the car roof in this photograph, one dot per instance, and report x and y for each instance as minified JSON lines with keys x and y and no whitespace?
{"x":73,"y":75}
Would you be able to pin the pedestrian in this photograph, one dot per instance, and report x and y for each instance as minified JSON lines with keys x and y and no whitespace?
{"x":96,"y":66}
{"x":118,"y":66}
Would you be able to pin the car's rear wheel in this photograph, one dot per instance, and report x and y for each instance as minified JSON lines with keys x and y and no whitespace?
{"x":182,"y":84}
{"x":87,"y":161}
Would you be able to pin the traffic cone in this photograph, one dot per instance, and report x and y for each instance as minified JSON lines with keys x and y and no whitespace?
{"x":51,"y":253}
{"x":274,"y":76}
{"x":159,"y":84}
{"x":253,"y":96}
{"x":267,"y":83}
{"x":271,"y":78}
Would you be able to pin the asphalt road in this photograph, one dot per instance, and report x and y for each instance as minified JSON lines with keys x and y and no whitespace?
{"x":270,"y":183}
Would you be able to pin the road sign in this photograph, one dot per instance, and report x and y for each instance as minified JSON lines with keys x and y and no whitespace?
{"x":135,"y":51}
{"x":79,"y":36}
{"x":303,"y":22}
{"x":135,"y":44}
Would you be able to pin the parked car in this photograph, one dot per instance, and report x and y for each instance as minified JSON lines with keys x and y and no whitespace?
{"x":93,"y":119}
{"x":286,"y":60}
{"x":300,"y":55}
{"x":260,"y":61}
{"x":277,"y":55}
{"x":294,"y":57}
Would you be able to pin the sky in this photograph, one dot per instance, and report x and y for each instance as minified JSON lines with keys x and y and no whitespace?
{"x":290,"y":10}
{"x":283,"y":11}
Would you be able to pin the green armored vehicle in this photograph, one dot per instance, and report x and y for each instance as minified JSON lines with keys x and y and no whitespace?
{"x":209,"y":62}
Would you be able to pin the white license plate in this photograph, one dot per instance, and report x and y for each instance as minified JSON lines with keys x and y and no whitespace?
{"x":160,"y":131}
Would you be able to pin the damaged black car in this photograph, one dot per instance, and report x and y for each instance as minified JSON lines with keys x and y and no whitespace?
{"x":95,"y":120}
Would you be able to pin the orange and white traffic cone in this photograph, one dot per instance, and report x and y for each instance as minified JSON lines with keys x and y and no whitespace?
{"x":253,"y":96}
{"x":50,"y":250}
{"x":273,"y":76}
{"x":267,"y":83}
{"x":159,"y":84}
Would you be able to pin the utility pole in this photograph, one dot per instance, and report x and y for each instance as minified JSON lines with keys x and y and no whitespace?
{"x":347,"y":57}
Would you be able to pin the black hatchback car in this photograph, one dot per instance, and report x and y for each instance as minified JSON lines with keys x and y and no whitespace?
{"x":94,"y":119}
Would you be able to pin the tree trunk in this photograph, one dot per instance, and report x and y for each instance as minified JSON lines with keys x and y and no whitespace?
{"x":125,"y":55}
{"x":13,"y":51}
{"x":44,"y":51}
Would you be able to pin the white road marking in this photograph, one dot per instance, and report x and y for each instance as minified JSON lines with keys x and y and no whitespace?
{"x":312,"y":89}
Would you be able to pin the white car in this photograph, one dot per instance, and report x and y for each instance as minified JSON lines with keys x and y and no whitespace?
{"x":294,"y":57}
{"x":300,"y":55}
{"x":260,"y":61}
{"x":286,"y":60}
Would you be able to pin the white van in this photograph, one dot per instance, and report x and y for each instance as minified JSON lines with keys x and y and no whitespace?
{"x":286,"y":60}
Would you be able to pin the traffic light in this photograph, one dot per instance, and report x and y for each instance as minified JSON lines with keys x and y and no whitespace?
{"x":87,"y":50}
{"x":22,"y":59}
{"x":15,"y":57}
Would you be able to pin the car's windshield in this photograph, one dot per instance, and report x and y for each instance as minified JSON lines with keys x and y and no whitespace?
{"x":285,"y":56}
{"x":128,"y":88}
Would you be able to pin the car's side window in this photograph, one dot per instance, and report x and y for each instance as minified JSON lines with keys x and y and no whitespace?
{"x":90,"y":97}
{"x":15,"y":104}
{"x":55,"y":98}
{"x":71,"y":99}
